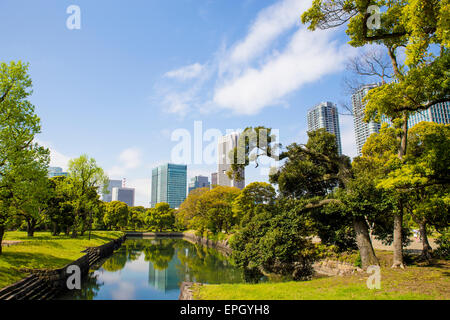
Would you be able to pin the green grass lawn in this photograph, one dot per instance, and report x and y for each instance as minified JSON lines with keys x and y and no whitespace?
{"x":45,"y":251}
{"x":417,"y":281}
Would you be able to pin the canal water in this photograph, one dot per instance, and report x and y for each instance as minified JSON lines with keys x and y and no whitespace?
{"x":153,"y":269}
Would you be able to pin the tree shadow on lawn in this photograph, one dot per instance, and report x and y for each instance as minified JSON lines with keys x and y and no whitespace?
{"x":30,"y":260}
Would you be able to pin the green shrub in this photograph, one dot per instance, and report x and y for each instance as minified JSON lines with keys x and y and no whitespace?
{"x":443,"y":242}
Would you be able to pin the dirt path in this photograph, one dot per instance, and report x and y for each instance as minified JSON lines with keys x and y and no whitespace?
{"x":414,"y":246}
{"x":7,"y":243}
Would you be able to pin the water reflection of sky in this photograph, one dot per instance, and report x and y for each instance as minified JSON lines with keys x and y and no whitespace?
{"x":132,"y":283}
{"x":154,"y":270}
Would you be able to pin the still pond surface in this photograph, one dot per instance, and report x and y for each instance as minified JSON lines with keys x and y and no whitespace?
{"x":153,"y":269}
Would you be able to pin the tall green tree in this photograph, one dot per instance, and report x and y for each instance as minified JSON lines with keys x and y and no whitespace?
{"x":32,"y":189}
{"x":215,"y":210}
{"x":87,"y":177}
{"x":421,"y":80}
{"x":423,"y":178}
{"x":253,"y":195}
{"x":60,"y":210}
{"x":188,"y":209}
{"x":161,"y":217}
{"x":18,"y":126}
{"x":116,"y":215}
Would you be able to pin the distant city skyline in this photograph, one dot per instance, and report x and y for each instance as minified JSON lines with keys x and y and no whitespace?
{"x":198,"y":182}
{"x":107,"y":197}
{"x":123,"y":194}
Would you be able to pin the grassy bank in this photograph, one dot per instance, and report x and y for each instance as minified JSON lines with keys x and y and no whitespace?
{"x":45,"y":251}
{"x":417,"y":281}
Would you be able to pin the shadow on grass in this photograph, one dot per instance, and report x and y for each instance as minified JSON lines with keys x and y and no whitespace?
{"x":9,"y":276}
{"x":33,"y":260}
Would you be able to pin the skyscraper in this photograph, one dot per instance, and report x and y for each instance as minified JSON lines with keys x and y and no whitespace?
{"x":438,"y":113}
{"x":213,"y":179}
{"x":363,"y":130}
{"x":56,"y":172}
{"x":226,"y":144}
{"x":107,"y":197}
{"x":123,"y":194}
{"x":169,"y":183}
{"x":325,"y":115}
{"x":198,"y":182}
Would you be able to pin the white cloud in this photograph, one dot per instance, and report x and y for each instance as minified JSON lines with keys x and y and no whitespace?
{"x":178,"y":103}
{"x":258,"y":70}
{"x":270,"y":23}
{"x":307,"y":58}
{"x":57,"y":159}
{"x":124,"y":291}
{"x":348,"y":140}
{"x":131,"y":157}
{"x":187,"y":72}
{"x":142,"y":190}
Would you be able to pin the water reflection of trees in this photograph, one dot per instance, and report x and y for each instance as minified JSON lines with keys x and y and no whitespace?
{"x":116,"y":262}
{"x":159,"y":252}
{"x":89,"y":289}
{"x":196,"y":262}
{"x":206,"y":265}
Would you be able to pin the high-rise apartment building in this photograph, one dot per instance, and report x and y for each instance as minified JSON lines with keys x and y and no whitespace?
{"x":213,"y":179}
{"x":198,"y":182}
{"x":438,"y":113}
{"x":56,"y":172}
{"x":124,"y":194}
{"x":107,"y":197}
{"x":169,"y":182}
{"x":226,"y":144}
{"x":325,"y":115}
{"x":363,"y":129}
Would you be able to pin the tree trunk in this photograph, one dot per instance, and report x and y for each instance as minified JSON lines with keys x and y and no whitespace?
{"x":426,"y":251}
{"x":368,"y":257}
{"x":398,"y":216}
{"x":398,"y":246}
{"x":75,"y":226}
{"x":2,"y":232}
{"x":31,"y":224}
{"x":54,"y":232}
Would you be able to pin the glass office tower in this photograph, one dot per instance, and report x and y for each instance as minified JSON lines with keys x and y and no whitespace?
{"x":169,"y":184}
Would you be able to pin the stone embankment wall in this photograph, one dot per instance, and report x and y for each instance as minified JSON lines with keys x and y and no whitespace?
{"x":186,"y":290}
{"x":46,"y":284}
{"x":335,"y":268}
{"x":222,"y":245}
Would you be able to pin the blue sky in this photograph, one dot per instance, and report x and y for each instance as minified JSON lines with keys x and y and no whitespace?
{"x":138,"y":70}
